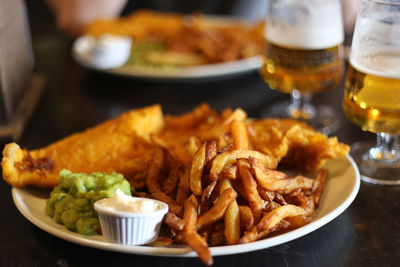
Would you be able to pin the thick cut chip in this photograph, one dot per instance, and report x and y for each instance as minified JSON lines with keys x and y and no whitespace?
{"x":228,"y":158}
{"x":232,"y":217}
{"x":196,"y":170}
{"x":192,"y":145}
{"x":246,"y":217}
{"x":218,"y":210}
{"x":190,"y":235}
{"x":229,"y":172}
{"x":211,"y":150}
{"x":273,"y":221}
{"x":275,"y":216}
{"x":273,"y":180}
{"x":239,"y":134}
{"x":206,"y":194}
{"x":250,"y":188}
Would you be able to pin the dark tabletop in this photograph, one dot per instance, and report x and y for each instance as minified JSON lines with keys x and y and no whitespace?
{"x":366,"y":234}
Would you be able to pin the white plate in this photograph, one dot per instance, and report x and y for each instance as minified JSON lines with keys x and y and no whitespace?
{"x":340,"y":190}
{"x":184,"y":73}
{"x":81,"y":55}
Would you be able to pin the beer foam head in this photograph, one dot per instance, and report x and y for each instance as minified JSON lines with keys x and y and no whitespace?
{"x":384,"y":63}
{"x":305,"y":25}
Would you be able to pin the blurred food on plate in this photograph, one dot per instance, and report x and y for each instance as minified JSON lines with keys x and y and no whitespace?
{"x":173,"y":39}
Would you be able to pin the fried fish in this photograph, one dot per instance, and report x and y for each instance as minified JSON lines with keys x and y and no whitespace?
{"x":117,"y":145}
{"x":294,"y":143}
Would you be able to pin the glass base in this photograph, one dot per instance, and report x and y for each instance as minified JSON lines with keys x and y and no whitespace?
{"x":324,"y":119}
{"x":382,"y":172}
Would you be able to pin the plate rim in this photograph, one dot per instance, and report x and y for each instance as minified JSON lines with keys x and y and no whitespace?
{"x":186,"y":251}
{"x":236,"y":67}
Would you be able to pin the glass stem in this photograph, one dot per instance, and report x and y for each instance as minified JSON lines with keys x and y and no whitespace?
{"x":386,"y":148}
{"x":300,"y":106}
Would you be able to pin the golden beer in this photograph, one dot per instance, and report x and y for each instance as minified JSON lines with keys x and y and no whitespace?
{"x":307,"y":70}
{"x":372,"y":101}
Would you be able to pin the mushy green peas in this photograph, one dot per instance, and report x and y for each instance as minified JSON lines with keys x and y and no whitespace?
{"x":71,"y":202}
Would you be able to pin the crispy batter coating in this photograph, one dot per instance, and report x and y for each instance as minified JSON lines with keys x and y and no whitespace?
{"x":294,"y":143}
{"x":121,"y":145}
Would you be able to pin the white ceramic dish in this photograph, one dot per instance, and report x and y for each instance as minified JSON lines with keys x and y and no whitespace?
{"x":107,"y":52}
{"x":340,"y":190}
{"x":79,"y":52}
{"x":127,"y":227}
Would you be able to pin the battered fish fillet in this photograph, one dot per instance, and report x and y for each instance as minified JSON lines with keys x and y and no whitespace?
{"x":121,"y":145}
{"x":294,"y":143}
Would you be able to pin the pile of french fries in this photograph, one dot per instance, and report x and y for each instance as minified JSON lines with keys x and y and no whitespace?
{"x":228,"y":194}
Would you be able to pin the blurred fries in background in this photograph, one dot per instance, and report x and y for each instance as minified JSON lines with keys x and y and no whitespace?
{"x":179,"y":39}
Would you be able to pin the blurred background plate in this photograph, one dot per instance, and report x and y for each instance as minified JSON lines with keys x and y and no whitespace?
{"x":82,"y":54}
{"x":181,"y":73}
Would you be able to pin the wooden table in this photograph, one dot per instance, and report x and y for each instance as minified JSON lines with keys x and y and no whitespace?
{"x":366,"y":234}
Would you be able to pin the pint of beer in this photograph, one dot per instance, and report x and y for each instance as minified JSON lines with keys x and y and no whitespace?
{"x":372,"y":94}
{"x":372,"y":91}
{"x":303,"y":46}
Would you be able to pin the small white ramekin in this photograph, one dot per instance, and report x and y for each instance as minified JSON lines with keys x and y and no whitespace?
{"x":108,"y":54}
{"x":130,"y":228}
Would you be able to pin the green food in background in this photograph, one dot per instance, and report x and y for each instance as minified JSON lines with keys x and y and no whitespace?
{"x":71,"y":202}
{"x":139,"y":51}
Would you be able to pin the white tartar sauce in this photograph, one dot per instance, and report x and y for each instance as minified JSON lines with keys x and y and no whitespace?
{"x":109,"y":51}
{"x":123,"y":203}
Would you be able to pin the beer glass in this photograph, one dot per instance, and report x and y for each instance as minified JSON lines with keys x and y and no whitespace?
{"x":303,"y":56}
{"x":372,"y":89}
